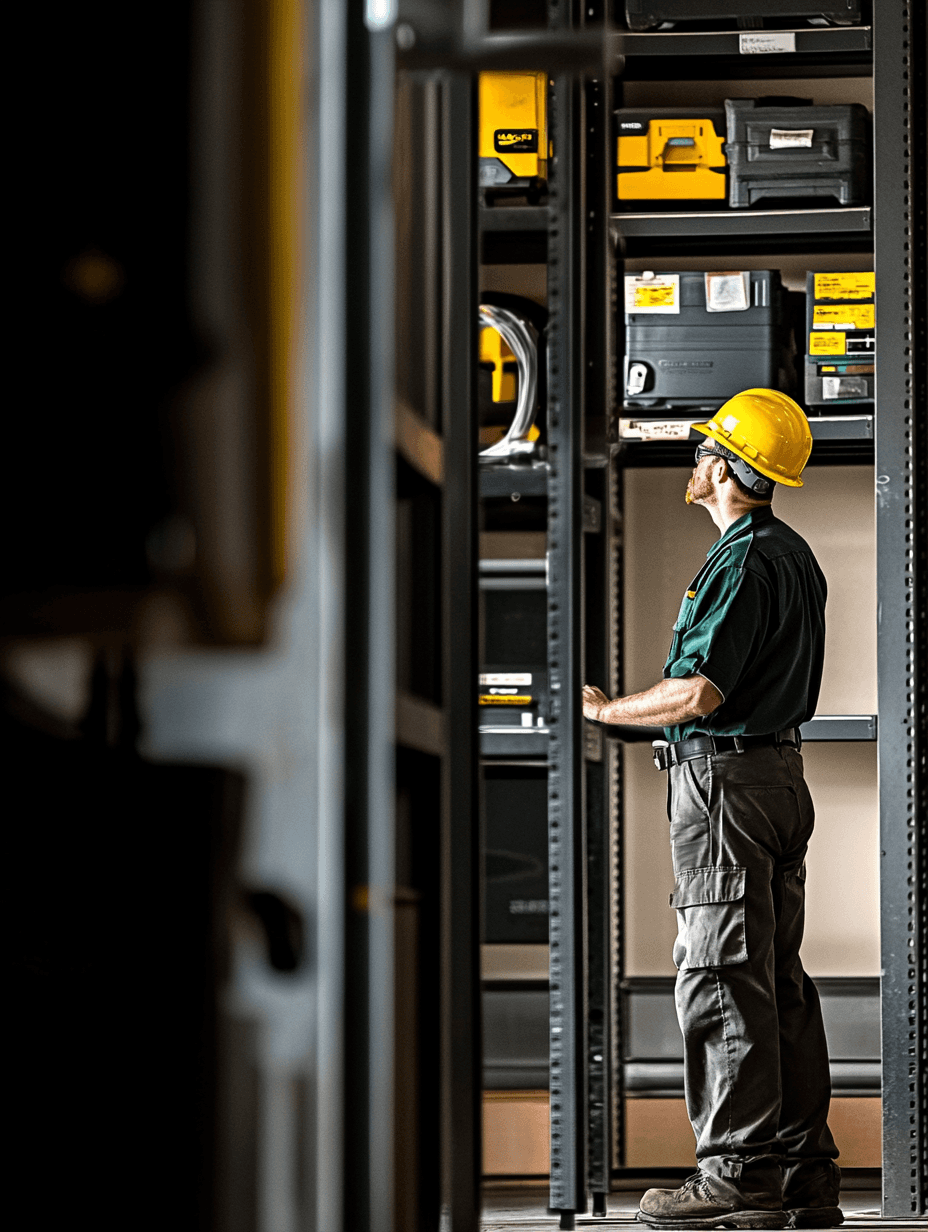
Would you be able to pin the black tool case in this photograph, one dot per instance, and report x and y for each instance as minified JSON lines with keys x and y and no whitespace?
{"x":699,"y":356}
{"x":789,"y":148}
{"x":840,"y":347}
{"x":646,"y":14}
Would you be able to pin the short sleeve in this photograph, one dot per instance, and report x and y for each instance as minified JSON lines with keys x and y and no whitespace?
{"x":722,"y":630}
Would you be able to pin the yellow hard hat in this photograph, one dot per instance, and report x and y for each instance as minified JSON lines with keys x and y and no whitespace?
{"x":766,"y":429}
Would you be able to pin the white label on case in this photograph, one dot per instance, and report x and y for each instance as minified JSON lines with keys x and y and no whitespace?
{"x":791,"y":138}
{"x":504,"y":678}
{"x":728,"y":292}
{"x":655,"y":429}
{"x":762,"y":44}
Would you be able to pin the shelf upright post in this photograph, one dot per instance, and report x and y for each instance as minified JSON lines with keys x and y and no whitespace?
{"x":461,"y":1057}
{"x":600,"y":588}
{"x":901,"y":513}
{"x":565,"y":512}
{"x":366,"y":292}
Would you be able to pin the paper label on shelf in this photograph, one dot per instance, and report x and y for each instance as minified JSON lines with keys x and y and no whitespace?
{"x":504,"y":678}
{"x":845,"y":286}
{"x":848,"y":316}
{"x":831,"y":343}
{"x":729,"y":291}
{"x":504,"y":699}
{"x":652,"y":293}
{"x":655,"y":429}
{"x":757,"y":43}
{"x":791,"y":138}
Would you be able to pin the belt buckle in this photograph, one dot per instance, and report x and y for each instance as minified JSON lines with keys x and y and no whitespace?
{"x":660,"y":752}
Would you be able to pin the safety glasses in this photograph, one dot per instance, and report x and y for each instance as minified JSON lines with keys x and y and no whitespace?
{"x":703,"y":451}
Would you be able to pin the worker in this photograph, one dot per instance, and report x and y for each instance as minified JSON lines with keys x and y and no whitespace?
{"x":743,"y":673}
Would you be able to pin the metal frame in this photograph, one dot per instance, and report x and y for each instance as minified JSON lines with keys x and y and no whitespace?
{"x":901,"y":510}
{"x":367,"y":373}
{"x":461,"y":1056}
{"x":565,"y":783}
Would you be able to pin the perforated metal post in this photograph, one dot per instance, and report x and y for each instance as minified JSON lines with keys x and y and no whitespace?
{"x":899,"y":51}
{"x":600,"y":623}
{"x":565,"y":511}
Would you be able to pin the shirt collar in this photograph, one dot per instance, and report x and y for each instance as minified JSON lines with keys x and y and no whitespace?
{"x":744,"y":526}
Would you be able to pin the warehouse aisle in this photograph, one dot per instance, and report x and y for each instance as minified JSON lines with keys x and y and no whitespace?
{"x":525,"y":1209}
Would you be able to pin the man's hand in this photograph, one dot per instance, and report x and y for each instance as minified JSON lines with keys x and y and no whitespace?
{"x":670,"y":701}
{"x":593,"y":702}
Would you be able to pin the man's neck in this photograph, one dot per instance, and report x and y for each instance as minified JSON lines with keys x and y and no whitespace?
{"x":726,"y":513}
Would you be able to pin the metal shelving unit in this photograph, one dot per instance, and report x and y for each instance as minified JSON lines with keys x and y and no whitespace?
{"x":576,"y":233}
{"x":892,"y":437}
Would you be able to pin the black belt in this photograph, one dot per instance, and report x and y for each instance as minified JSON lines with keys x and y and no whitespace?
{"x":667,"y":755}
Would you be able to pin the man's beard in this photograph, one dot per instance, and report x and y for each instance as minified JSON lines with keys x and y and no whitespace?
{"x":698,"y":488}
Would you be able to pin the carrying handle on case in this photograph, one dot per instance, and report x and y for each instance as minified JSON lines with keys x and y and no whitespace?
{"x":518,"y":337}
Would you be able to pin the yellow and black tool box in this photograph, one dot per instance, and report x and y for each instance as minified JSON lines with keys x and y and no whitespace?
{"x":840,"y":338}
{"x":513,"y":130}
{"x":667,"y":154}
{"x":646,"y":14}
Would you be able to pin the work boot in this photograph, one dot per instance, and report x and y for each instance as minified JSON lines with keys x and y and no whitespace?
{"x":698,"y":1205}
{"x":810,"y":1194}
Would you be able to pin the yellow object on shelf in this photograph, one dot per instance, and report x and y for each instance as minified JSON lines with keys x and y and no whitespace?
{"x":513,"y":129}
{"x":670,"y":157}
{"x":493,"y":350}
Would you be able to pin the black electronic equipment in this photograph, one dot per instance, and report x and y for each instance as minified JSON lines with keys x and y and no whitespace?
{"x":787,"y":148}
{"x":693,"y":338}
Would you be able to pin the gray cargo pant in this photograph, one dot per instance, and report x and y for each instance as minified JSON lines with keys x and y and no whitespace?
{"x":755,"y":1058}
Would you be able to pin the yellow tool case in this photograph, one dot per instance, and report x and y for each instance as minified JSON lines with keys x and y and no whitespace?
{"x":671,"y":154}
{"x":513,"y":130}
{"x":841,"y":338}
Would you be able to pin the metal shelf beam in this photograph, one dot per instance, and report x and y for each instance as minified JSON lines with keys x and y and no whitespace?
{"x":807,"y":43}
{"x":720,"y":224}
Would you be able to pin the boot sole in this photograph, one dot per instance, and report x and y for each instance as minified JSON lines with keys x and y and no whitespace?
{"x":725,"y":1219}
{"x":815,"y":1217}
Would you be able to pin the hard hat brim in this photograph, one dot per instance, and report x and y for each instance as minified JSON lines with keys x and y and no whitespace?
{"x":708,"y":430}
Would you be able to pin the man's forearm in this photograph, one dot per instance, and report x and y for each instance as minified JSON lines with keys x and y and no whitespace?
{"x":675,"y":700}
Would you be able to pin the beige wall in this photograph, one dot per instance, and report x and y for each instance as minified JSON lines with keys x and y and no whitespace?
{"x":665,"y":543}
{"x":516,"y":1133}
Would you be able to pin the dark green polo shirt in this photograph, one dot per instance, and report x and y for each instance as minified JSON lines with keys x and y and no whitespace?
{"x":752,"y":622}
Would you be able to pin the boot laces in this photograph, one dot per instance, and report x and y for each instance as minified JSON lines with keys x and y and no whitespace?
{"x":700,"y":1186}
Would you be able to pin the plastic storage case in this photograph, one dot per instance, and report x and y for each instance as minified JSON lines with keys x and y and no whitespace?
{"x":788,"y":148}
{"x":513,"y":130}
{"x":646,"y":14}
{"x":693,"y":339}
{"x":671,"y":154}
{"x":840,"y":339}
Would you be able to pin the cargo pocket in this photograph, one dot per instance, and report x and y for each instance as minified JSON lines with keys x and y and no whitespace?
{"x":710,"y":917}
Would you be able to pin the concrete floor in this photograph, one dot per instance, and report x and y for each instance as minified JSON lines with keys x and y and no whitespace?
{"x":524,"y":1209}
